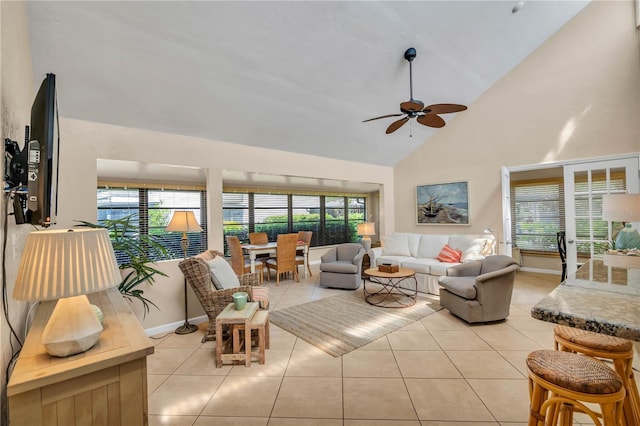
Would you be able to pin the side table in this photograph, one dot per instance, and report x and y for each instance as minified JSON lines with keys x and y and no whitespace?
{"x":231,"y":316}
{"x":105,"y":385}
{"x":388,"y":293}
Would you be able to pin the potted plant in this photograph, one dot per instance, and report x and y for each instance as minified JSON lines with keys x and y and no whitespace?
{"x":136,"y":252}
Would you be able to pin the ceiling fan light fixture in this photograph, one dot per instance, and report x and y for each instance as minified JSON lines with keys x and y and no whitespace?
{"x":413,"y":108}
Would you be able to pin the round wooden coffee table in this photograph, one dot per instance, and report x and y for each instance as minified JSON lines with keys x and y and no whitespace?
{"x":385,"y":290}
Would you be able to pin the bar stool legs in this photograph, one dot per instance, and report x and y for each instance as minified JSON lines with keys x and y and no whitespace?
{"x":619,"y":351}
{"x":561,"y":383}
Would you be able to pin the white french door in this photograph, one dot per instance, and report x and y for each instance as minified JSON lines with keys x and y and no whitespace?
{"x":584,"y":186}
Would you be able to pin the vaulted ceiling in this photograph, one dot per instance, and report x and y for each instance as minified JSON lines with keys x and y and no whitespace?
{"x":298,"y":76}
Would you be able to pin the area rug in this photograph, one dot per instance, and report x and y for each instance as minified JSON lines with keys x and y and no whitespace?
{"x":340,"y":324}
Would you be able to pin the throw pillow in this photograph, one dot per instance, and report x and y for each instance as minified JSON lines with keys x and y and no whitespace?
{"x":222,"y":274}
{"x":395,"y":245}
{"x":471,"y":246}
{"x":261,"y":295}
{"x":449,"y":255}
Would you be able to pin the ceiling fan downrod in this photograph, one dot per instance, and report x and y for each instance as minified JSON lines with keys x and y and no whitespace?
{"x":410,"y":55}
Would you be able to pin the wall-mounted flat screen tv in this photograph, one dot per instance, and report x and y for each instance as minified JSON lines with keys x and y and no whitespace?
{"x":42,"y":198}
{"x":31,"y":175}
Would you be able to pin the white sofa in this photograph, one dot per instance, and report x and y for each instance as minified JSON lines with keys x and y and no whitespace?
{"x":419,"y":252}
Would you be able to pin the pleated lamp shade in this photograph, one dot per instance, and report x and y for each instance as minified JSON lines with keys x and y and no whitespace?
{"x":183,"y":221}
{"x":366,"y":229}
{"x":621,"y":207}
{"x":63,"y":263}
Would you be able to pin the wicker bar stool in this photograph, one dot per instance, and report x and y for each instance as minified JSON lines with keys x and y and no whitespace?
{"x":561,"y":383}
{"x":619,"y":351}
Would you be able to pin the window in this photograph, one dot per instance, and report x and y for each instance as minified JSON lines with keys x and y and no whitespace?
{"x":538,"y":214}
{"x":332,"y":219}
{"x":152,"y":209}
{"x":537,"y":211}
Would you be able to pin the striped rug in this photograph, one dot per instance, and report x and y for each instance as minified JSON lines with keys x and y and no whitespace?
{"x":340,"y":324}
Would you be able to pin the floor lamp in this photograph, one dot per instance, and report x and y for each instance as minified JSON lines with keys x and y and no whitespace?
{"x":184,"y":221}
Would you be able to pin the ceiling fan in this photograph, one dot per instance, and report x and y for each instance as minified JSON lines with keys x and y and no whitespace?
{"x":427,"y":116}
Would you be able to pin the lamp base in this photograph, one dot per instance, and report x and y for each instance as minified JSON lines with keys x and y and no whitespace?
{"x":627,"y":238}
{"x":186,"y":328}
{"x":366,"y":243}
{"x":72,"y":328}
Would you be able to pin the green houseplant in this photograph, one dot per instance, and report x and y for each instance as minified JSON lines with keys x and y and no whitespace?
{"x":137,"y":253}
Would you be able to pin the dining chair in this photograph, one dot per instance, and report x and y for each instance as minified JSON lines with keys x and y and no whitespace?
{"x":258,"y":238}
{"x":239,"y":263}
{"x":261,"y":238}
{"x":285,"y":260}
{"x":562,"y":251}
{"x":306,"y":237}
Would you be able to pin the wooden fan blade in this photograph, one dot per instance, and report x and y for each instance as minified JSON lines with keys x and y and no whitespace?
{"x":412,"y":105}
{"x":396,"y":125}
{"x":383,"y":116}
{"x":431,"y":120}
{"x":444,"y":108}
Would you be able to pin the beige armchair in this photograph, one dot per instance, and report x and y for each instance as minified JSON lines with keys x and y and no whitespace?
{"x":341,"y":266}
{"x":479,"y":291}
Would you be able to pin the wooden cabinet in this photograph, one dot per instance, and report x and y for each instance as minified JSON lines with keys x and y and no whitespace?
{"x":106,"y":385}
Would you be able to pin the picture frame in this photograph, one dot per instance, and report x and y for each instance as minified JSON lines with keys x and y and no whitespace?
{"x":443,"y":203}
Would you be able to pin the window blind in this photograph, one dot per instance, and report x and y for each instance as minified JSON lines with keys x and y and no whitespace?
{"x":537,"y":211}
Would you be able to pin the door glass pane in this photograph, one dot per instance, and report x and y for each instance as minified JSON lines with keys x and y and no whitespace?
{"x":593,"y":233}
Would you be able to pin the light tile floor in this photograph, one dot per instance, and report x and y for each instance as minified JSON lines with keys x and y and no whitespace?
{"x":459,"y":374}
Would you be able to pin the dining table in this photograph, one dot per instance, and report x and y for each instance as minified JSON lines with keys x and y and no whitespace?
{"x":271,"y":248}
{"x":598,"y":298}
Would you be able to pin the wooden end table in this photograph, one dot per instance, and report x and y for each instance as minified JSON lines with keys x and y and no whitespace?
{"x":230,"y":316}
{"x":389,"y":294}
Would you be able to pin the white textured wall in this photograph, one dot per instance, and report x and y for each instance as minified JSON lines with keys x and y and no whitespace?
{"x":16,"y":91}
{"x":577,"y":96}
{"x":82,"y":143}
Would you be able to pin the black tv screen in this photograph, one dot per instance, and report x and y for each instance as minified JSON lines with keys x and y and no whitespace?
{"x":42,"y":162}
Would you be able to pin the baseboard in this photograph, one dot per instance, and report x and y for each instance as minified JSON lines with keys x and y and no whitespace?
{"x":171,"y":327}
{"x":540,"y":271}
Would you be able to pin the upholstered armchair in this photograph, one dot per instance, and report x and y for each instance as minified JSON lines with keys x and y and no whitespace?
{"x":479,"y":291}
{"x":199,"y":275}
{"x":341,"y":266}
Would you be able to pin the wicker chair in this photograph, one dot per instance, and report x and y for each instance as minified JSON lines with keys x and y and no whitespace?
{"x":239,"y":263}
{"x":306,"y":237}
{"x":258,"y":238}
{"x":285,"y":260}
{"x":198,"y":275}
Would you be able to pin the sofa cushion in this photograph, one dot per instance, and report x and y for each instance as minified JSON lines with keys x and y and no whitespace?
{"x":394,"y":260}
{"x":413,"y":241}
{"x":440,"y":269}
{"x":421,"y":266}
{"x":430,"y":245}
{"x":396,"y":245}
{"x":222,"y":274}
{"x":340,"y":267}
{"x":449,"y":255}
{"x":471,"y":246}
{"x":460,"y":286}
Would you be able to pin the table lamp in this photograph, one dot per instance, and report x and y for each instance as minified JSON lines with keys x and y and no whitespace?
{"x":364,"y":230}
{"x":623,"y":208}
{"x":184,"y":221}
{"x":67,"y":264}
{"x":494,"y":242}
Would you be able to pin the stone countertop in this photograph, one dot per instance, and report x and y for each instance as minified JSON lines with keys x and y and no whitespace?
{"x":597,"y":298}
